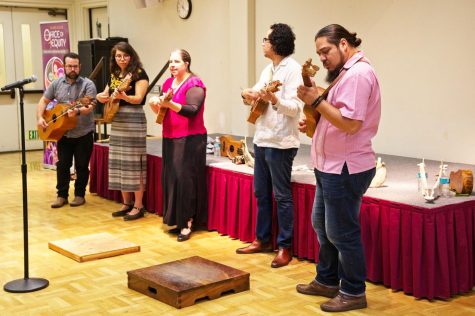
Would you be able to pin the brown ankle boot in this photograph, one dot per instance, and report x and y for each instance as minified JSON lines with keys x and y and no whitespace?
{"x":255,"y":247}
{"x":282,"y":258}
{"x":60,"y":201}
{"x":315,"y":288}
{"x":343,"y":302}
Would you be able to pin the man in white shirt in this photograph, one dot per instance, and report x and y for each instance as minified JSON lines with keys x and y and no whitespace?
{"x":276,"y":142}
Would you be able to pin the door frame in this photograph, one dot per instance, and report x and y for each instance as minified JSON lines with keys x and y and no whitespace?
{"x":78,"y":14}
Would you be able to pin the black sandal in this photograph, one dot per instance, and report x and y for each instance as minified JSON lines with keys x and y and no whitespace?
{"x":183,"y":237}
{"x":138,"y":215}
{"x":121,"y":213}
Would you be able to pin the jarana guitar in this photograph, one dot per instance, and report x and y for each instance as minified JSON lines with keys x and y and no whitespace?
{"x":111,"y":107}
{"x":311,"y":115}
{"x":259,"y":106}
{"x":230,"y":147}
{"x":163,"y":110}
{"x":58,"y":120}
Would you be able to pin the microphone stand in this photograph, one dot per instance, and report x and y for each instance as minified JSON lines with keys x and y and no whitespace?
{"x":26,"y":284}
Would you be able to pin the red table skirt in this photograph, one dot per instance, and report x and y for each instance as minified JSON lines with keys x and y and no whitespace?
{"x":424,"y":252}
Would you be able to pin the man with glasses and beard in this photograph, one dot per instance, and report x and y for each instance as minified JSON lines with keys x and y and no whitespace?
{"x":276,"y":142}
{"x":344,"y":164}
{"x":76,"y":143}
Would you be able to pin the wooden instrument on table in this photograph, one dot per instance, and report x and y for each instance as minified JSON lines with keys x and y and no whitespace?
{"x":161,"y":113}
{"x":312,"y":116}
{"x":259,"y":106}
{"x":461,"y":181}
{"x":111,"y":107}
{"x":58,"y":120}
{"x":230,"y":147}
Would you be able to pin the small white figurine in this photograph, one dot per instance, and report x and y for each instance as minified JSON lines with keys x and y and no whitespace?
{"x":247,"y":155}
{"x":427,"y":193}
{"x":430,"y":194}
{"x":380,"y":175}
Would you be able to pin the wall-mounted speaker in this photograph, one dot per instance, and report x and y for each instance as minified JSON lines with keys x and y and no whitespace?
{"x":90,"y":52}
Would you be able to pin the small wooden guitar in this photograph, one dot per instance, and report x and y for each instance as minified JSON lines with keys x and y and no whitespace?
{"x":461,"y":181}
{"x":111,"y":107}
{"x":230,"y":147}
{"x":58,"y":120}
{"x":259,"y":106}
{"x":312,"y":116}
{"x":163,"y":110}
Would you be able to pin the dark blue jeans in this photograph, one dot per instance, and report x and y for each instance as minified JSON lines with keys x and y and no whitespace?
{"x":272,"y":169}
{"x":81,"y":149}
{"x":335,"y":219}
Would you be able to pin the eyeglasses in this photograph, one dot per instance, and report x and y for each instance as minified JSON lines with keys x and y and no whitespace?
{"x":265,"y":39}
{"x":122,"y":57}
{"x":71,"y":66}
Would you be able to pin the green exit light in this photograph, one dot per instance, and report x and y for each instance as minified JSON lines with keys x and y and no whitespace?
{"x":32,"y":135}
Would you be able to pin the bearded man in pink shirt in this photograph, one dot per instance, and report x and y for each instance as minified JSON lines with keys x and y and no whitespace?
{"x":344,"y":164}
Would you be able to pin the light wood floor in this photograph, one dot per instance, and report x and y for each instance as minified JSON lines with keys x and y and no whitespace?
{"x":100,"y":287}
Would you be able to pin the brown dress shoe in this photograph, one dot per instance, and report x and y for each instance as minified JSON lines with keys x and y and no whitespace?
{"x":342,"y":303}
{"x":282,"y":258}
{"x":78,"y":200}
{"x":60,"y":201}
{"x":315,"y":288}
{"x":255,"y":247}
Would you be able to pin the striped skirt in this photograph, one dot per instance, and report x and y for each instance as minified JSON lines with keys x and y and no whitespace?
{"x":128,"y":149}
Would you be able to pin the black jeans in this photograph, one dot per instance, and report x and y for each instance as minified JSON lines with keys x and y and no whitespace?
{"x":81,"y":149}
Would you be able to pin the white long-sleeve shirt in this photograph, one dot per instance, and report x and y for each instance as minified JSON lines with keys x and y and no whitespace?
{"x":277,"y":127}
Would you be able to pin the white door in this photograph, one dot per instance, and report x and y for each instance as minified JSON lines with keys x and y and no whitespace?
{"x":20,"y":57}
{"x":99,"y":21}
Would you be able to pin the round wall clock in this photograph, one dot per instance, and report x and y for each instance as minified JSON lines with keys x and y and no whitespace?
{"x":183,"y":8}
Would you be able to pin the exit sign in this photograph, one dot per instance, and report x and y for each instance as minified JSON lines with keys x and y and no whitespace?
{"x":32,"y":134}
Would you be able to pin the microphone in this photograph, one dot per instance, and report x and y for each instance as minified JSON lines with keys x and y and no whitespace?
{"x":19,"y":83}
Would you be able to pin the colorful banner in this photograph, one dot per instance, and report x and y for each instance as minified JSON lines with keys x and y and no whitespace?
{"x":54,"y":43}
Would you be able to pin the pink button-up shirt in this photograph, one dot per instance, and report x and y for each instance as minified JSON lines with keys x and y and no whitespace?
{"x":358,"y":97}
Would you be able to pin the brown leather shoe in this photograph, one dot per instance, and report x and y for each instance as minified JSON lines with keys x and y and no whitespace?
{"x":78,"y":200}
{"x":60,"y":201}
{"x":315,"y":288}
{"x":255,"y":247}
{"x":342,"y":303}
{"x":282,"y":258}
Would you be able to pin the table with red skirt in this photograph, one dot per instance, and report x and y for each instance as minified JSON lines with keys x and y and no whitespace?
{"x":425,"y":252}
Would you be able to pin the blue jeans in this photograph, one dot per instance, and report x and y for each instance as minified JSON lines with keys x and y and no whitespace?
{"x":272,"y":169}
{"x":335,"y":219}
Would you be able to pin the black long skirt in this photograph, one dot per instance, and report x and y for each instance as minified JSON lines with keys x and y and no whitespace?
{"x":184,"y":181}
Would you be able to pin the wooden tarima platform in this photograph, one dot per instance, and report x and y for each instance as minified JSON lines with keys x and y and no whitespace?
{"x":180,"y":283}
{"x":92,"y":247}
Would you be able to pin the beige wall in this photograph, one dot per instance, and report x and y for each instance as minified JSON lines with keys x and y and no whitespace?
{"x":155,"y":32}
{"x":421,"y":51}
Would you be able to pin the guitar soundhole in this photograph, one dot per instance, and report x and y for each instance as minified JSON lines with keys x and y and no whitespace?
{"x":54,"y":118}
{"x":231,"y":148}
